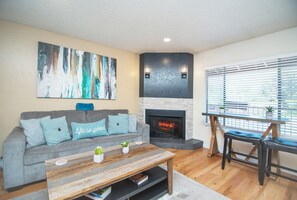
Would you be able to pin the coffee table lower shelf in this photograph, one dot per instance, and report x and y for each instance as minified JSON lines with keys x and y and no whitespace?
{"x":154,"y":188}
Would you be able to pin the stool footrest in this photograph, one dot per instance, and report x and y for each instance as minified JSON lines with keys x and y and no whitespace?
{"x":242,"y":154}
{"x":282,"y":167}
{"x":286,"y":177}
{"x":243,"y":161}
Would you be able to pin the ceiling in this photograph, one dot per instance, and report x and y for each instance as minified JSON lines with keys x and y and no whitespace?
{"x":140,"y":25}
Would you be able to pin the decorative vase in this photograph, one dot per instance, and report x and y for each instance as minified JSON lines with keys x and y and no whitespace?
{"x":125,"y":150}
{"x":269,"y":115}
{"x":98,"y":158}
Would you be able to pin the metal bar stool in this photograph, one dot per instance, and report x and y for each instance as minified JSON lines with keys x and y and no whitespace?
{"x":278,"y":144}
{"x":244,"y":137}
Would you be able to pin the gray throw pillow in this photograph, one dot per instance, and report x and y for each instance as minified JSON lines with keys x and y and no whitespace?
{"x":132,"y":122}
{"x":33,"y":131}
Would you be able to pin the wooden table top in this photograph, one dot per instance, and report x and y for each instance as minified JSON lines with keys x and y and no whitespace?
{"x":81,"y":175}
{"x":249,"y":117}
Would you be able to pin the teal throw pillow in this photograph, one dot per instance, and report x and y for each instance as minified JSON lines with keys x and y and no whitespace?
{"x":33,"y":131}
{"x":132,"y":122}
{"x":88,"y":130}
{"x":118,"y":124}
{"x":55,"y":130}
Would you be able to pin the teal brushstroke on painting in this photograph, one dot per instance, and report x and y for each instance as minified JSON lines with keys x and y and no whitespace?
{"x":86,"y":76}
{"x":97,"y":88}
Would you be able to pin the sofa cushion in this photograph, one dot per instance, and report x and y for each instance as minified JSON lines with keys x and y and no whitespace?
{"x":71,"y":116}
{"x":118,"y":124}
{"x":55,"y":130}
{"x":31,"y":172}
{"x":45,"y":152}
{"x":41,"y":153}
{"x":88,"y":130}
{"x":114,"y":139}
{"x":33,"y":131}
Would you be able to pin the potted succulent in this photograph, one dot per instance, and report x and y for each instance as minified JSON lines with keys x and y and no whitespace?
{"x":222,"y":109}
{"x":125,"y":146}
{"x":269,"y":111}
{"x":98,"y":156}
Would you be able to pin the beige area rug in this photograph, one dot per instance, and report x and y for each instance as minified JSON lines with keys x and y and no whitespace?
{"x":185,"y":188}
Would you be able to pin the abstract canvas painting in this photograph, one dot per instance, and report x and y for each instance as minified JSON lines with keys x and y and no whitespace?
{"x":70,"y":73}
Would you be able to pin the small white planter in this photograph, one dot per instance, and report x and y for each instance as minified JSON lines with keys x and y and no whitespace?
{"x":98,"y":158}
{"x":222,"y":111}
{"x":269,"y":115}
{"x":125,"y":150}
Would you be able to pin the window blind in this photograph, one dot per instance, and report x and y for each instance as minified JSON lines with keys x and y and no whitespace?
{"x":249,"y":88}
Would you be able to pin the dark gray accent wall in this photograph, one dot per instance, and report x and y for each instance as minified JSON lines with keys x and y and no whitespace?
{"x":165,"y":75}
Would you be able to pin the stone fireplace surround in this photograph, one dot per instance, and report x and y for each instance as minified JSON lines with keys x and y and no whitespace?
{"x":169,"y":104}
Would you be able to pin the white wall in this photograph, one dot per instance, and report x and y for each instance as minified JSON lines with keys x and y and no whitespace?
{"x":279,"y":43}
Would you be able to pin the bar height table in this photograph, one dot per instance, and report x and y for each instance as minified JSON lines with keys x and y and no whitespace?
{"x":214,"y":124}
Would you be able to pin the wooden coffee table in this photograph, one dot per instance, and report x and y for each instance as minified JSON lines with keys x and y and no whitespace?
{"x":81,"y":175}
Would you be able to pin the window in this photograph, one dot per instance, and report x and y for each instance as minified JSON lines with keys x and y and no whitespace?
{"x":249,"y":88}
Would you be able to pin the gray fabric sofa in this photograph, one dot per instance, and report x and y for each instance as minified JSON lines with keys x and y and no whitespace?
{"x":23,"y":166}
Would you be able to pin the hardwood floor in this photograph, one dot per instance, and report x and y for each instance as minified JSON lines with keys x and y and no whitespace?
{"x":236,"y":181}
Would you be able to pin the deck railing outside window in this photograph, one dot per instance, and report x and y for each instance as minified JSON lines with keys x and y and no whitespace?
{"x":288,"y":129}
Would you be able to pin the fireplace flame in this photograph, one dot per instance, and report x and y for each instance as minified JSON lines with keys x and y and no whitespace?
{"x":166,"y":125}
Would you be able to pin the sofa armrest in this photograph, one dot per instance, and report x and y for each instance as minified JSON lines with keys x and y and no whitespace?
{"x":144,"y":130}
{"x":13,"y":158}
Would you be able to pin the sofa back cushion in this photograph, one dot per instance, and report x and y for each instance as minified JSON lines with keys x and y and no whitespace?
{"x":96,"y":115}
{"x":71,"y":116}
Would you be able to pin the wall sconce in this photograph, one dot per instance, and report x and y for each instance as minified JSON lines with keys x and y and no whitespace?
{"x":147,"y":73}
{"x":184,"y":72}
